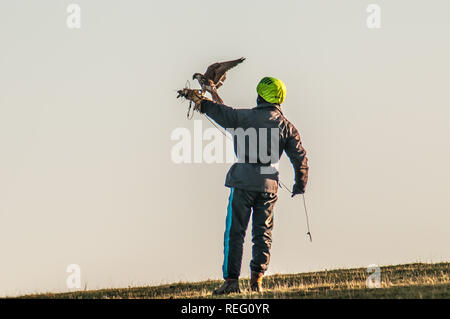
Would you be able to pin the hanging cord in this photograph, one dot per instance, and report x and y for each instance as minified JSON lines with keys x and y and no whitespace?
{"x":217,"y":127}
{"x":280,"y":183}
{"x":307,"y":219}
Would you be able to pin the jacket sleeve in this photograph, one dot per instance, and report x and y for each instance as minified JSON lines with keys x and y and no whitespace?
{"x":297,"y":155}
{"x":225,"y":116}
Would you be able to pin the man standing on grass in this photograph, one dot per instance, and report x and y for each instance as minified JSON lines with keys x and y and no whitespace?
{"x":260,"y":136}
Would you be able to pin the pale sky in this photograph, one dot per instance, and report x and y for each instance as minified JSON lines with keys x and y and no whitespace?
{"x":86,"y":115}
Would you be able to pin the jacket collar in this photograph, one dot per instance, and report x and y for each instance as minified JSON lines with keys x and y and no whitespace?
{"x":267,"y":104}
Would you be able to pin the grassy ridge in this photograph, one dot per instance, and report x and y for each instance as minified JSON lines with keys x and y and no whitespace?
{"x":402,"y":281}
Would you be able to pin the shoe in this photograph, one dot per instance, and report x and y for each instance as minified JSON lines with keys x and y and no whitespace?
{"x":228,"y":287}
{"x":256,"y":282}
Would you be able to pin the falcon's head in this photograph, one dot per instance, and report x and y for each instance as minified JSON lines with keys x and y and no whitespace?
{"x":197,"y":76}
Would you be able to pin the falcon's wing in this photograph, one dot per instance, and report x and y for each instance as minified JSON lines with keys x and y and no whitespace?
{"x":224,"y":67}
{"x":210,"y":73}
{"x":217,"y":70}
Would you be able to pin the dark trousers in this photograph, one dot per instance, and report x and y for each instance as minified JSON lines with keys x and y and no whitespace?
{"x":240,"y":206}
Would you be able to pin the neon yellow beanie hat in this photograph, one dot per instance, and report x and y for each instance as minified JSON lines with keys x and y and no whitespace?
{"x":272,"y":90}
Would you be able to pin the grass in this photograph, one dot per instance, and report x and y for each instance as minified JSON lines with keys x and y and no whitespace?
{"x":417,"y":280}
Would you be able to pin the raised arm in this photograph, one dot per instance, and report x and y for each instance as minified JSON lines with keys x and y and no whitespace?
{"x":225,"y":116}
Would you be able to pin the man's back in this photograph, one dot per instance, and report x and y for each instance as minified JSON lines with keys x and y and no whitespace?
{"x":260,"y":135}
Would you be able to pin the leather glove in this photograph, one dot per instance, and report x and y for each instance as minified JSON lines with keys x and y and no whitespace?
{"x":298,"y":189}
{"x":196,"y":96}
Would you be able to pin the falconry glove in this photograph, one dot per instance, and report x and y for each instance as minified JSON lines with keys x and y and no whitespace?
{"x":196,"y":96}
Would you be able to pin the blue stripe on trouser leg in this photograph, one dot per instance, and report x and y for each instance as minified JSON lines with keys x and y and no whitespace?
{"x":226,"y":242}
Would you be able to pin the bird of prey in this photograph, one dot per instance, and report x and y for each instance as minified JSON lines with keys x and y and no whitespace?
{"x":214,"y":77}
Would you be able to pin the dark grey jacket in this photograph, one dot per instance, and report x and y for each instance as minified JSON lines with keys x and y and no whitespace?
{"x":274,"y":134}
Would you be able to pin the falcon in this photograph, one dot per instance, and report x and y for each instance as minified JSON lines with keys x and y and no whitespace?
{"x":214,"y":77}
